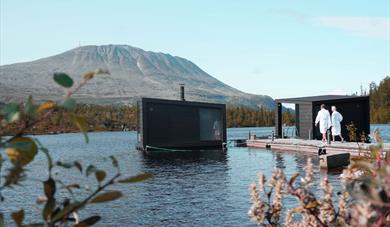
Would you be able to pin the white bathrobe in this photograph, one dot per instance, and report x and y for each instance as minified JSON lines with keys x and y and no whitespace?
{"x":323,"y":117}
{"x":336,"y":126}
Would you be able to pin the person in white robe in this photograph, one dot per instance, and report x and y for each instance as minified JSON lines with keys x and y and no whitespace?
{"x":337,"y":118}
{"x":323,"y":118}
{"x":217,"y":130}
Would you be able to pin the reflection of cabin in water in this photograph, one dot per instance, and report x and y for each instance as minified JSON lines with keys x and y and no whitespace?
{"x":172,"y":124}
{"x":354,"y":109}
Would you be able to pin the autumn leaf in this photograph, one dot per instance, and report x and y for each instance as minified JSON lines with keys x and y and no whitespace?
{"x":137,"y":178}
{"x":50,"y":104}
{"x":107,"y":196}
{"x":88,"y":222}
{"x":22,"y":150}
{"x":88,"y":75}
{"x":100,"y":175}
{"x":18,"y":218}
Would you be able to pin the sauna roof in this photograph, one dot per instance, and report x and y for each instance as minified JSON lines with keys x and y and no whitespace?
{"x":320,"y":98}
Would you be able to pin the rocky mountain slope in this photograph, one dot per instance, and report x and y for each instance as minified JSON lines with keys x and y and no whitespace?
{"x":134,"y":73}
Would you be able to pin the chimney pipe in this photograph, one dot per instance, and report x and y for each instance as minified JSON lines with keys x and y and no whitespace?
{"x":182,"y":92}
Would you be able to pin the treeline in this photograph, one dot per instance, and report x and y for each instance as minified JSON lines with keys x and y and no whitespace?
{"x":250,"y":117}
{"x":99,"y":118}
{"x":122,"y":117}
{"x":380,"y":101}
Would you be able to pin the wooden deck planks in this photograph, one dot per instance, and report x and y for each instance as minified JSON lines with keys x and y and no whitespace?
{"x":311,"y":146}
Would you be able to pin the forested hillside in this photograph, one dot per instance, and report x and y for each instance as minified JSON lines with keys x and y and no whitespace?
{"x":250,"y":117}
{"x":99,"y":117}
{"x":124,"y":117}
{"x":380,"y":101}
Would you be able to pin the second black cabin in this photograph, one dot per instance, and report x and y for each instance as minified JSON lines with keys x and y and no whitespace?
{"x":172,"y":124}
{"x":355,"y":109}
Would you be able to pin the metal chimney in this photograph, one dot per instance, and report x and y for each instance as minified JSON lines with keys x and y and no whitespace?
{"x":182,"y":92}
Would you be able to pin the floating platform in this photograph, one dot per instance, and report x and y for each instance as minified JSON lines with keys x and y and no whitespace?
{"x":312,"y":146}
{"x":332,"y":156}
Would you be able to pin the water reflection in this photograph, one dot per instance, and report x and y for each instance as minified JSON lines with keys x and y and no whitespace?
{"x":167,"y":157}
{"x":201,"y":188}
{"x":279,"y":160}
{"x":189,"y":188}
{"x":301,"y":162}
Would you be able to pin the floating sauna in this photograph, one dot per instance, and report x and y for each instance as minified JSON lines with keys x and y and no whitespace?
{"x":180,"y":125}
{"x":354,"y":109}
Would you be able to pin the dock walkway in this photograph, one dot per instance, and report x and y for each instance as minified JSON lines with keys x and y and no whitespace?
{"x":311,"y":146}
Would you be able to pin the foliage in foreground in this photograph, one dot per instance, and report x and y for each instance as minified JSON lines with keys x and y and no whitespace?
{"x":18,"y":151}
{"x":365,"y":200}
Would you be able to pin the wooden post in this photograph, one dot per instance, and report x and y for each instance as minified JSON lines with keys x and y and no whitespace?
{"x":278,"y":120}
{"x":297,"y":121}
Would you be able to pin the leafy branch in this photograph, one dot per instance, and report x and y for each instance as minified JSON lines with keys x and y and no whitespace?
{"x":21,"y":151}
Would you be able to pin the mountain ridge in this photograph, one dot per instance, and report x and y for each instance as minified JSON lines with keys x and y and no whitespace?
{"x":134,"y":73}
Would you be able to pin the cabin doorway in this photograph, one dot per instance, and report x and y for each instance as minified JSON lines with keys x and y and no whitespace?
{"x":288,"y":117}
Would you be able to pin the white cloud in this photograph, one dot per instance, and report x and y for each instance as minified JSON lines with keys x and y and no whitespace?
{"x":378,"y":27}
{"x":368,"y":26}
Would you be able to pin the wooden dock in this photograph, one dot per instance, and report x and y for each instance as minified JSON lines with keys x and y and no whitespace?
{"x":311,"y":146}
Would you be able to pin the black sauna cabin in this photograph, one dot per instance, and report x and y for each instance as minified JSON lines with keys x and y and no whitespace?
{"x":355,"y":109}
{"x":180,"y":125}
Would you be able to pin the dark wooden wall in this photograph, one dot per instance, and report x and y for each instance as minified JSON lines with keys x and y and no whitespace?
{"x":356,"y":111}
{"x":176,"y":124}
{"x":306,"y":121}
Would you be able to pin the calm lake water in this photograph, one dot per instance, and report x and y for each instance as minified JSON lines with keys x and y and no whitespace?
{"x":189,"y":189}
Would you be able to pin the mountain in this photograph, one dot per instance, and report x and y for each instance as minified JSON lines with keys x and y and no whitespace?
{"x":134,"y":73}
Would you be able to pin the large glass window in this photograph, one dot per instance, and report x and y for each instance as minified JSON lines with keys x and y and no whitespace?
{"x":210,"y":124}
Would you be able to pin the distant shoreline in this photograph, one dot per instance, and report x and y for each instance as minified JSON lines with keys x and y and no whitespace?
{"x":134,"y":129}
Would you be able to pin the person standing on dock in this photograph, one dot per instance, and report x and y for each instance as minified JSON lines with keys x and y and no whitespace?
{"x":323,"y":117}
{"x":336,"y":126}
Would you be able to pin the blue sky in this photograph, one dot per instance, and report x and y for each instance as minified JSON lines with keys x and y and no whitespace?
{"x":280,"y":48}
